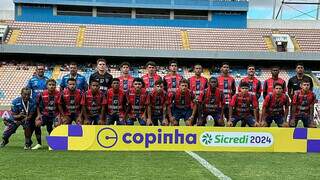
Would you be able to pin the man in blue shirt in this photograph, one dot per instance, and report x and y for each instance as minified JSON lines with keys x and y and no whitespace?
{"x":38,"y":81}
{"x":23,"y":108}
{"x":37,"y":84}
{"x":80,"y":80}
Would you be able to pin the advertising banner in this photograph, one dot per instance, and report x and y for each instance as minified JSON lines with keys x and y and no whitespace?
{"x":183,"y":138}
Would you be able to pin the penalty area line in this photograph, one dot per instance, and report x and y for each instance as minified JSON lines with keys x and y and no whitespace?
{"x":216,"y":172}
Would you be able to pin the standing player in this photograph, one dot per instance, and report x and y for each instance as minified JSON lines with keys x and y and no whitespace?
{"x":181,"y":105}
{"x":255,"y":87}
{"x":137,"y":103}
{"x":47,"y":106}
{"x":22,"y":110}
{"x":212,"y":104}
{"x":80,"y":80}
{"x":102,"y":76}
{"x":37,"y":84}
{"x":198,"y":84}
{"x":303,"y":106}
{"x":125,"y":79}
{"x":70,"y":103}
{"x":92,"y":103}
{"x":269,"y":83}
{"x":172,"y":79}
{"x":151,"y":77}
{"x":115,"y":105}
{"x":157,"y":101}
{"x":275,"y":107}
{"x":295,"y":81}
{"x":240,"y":106}
{"x":227,"y":84}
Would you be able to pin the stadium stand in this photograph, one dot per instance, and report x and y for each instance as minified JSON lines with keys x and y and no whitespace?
{"x":147,"y":37}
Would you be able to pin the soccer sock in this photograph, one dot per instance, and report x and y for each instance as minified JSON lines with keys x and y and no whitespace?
{"x":38,"y":135}
{"x":28,"y":142}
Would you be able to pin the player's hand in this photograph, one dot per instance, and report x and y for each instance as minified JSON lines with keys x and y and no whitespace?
{"x":189,"y":122}
{"x":165,"y":122}
{"x":256,"y":124}
{"x":5,"y":122}
{"x":172,"y":119}
{"x":86,"y":122}
{"x":292,"y":123}
{"x":312,"y":125}
{"x":79,"y":120}
{"x":229,"y":124}
{"x":200,"y":123}
{"x":263,"y":123}
{"x":149,"y":122}
{"x":221,"y":122}
{"x":22,"y":115}
{"x":285,"y":124}
{"x":38,"y":121}
{"x":102,"y":122}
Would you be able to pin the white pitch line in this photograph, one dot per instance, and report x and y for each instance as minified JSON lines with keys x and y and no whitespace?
{"x":208,"y":166}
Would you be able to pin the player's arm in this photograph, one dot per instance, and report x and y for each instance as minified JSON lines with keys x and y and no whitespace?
{"x":233,"y":87}
{"x":102,"y":120}
{"x":84,"y":109}
{"x":39,"y":104}
{"x":255,"y":107}
{"x":266,"y":102}
{"x":286,"y":112}
{"x":229,"y":123}
{"x":85,"y":114}
{"x":259,"y":90}
{"x":169,"y":109}
{"x":311,"y":115}
{"x":165,"y":84}
{"x":128,"y":107}
{"x":165,"y":120}
{"x":17,"y":116}
{"x":60,"y":103}
{"x":311,"y":83}
{"x":63,"y":84}
{"x":223,"y":103}
{"x":149,"y":110}
{"x":239,"y":88}
{"x":231,"y":106}
{"x":263,"y":116}
{"x":265,"y":89}
{"x":194,"y":104}
{"x":290,"y":89}
{"x":85,"y":84}
{"x":293,"y":110}
{"x":104,"y":104}
{"x":149,"y":121}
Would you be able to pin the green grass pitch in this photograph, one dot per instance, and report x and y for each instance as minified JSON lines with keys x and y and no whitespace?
{"x":17,"y":163}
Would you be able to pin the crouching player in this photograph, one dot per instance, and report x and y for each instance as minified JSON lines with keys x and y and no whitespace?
{"x":92,"y":103}
{"x":240,"y":107}
{"x":181,"y":105}
{"x":303,"y":106}
{"x":213,"y":104}
{"x":275,"y":107}
{"x":22,"y":109}
{"x":137,"y":103}
{"x":157,"y":101}
{"x":115,"y":105}
{"x":70,"y":103}
{"x":47,"y":108}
